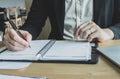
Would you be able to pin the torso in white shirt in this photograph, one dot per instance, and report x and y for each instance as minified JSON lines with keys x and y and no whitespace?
{"x":76,"y":13}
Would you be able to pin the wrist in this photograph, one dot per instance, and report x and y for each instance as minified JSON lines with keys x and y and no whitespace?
{"x":109,"y":33}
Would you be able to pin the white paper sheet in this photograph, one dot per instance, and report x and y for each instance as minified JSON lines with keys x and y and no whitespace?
{"x":60,"y":50}
{"x":69,"y":50}
{"x":13,"y":65}
{"x":18,"y":77}
{"x":27,"y":54}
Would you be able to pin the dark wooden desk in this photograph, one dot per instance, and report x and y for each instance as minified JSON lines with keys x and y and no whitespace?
{"x":103,"y":70}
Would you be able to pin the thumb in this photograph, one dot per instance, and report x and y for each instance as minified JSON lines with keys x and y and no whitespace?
{"x":27,"y":36}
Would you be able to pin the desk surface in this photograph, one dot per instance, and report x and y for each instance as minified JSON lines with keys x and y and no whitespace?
{"x":103,"y":70}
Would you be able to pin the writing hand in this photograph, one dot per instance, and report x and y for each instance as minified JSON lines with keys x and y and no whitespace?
{"x":14,"y":42}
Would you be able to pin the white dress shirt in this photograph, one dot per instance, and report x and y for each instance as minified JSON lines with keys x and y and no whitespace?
{"x":76,"y":13}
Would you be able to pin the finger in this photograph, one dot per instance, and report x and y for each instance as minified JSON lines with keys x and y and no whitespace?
{"x":13,"y":48}
{"x":88,"y":31}
{"x":13,"y":42}
{"x":6,"y":31}
{"x":28,"y":36}
{"x":83,"y":30}
{"x":76,"y":34}
{"x":92,"y":36}
{"x":17,"y":38}
{"x":9,"y":42}
{"x":6,"y":38}
{"x":85,"y":34}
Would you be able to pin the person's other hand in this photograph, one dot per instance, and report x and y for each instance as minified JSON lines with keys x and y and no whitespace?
{"x":14,"y":42}
{"x":90,"y":31}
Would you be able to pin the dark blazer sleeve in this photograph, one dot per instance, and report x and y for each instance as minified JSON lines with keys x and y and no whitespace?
{"x":2,"y":26}
{"x":116,"y":30}
{"x":36,"y":18}
{"x":116,"y":20}
{"x":107,"y":15}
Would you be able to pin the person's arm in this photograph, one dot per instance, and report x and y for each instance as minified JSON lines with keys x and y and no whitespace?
{"x":110,"y":33}
{"x":116,"y":30}
{"x":33,"y":25}
{"x":14,"y":42}
{"x":36,"y":18}
{"x":115,"y":27}
{"x":91,"y":31}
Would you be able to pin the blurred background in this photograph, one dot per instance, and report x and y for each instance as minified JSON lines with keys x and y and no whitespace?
{"x":17,"y":11}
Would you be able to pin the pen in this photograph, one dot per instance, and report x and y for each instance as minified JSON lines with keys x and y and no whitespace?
{"x":16,"y":29}
{"x":3,"y":50}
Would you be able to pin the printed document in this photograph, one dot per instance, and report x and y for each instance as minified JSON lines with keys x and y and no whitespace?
{"x":18,"y":77}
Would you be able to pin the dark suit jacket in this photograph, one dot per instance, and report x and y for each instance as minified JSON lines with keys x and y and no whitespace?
{"x":106,"y":15}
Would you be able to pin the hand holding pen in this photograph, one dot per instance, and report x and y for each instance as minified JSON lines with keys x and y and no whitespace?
{"x":15,"y":39}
